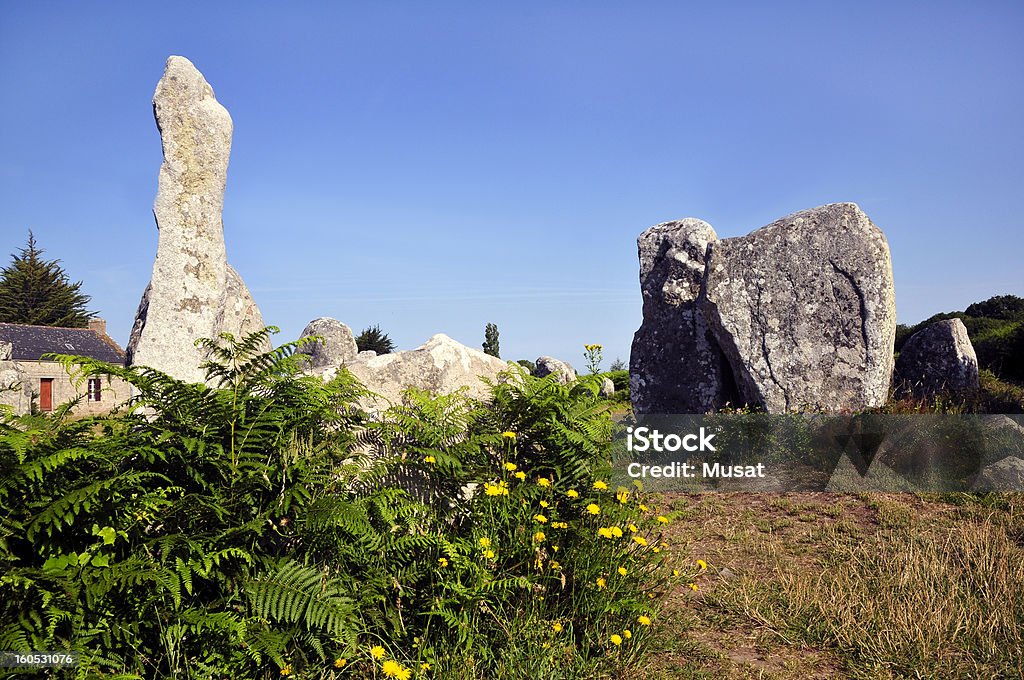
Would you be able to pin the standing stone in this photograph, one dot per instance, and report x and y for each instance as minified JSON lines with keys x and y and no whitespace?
{"x":564,"y":373}
{"x":607,"y":388}
{"x":938,"y":358}
{"x":674,"y":364}
{"x":193,"y":293}
{"x":804,"y":310}
{"x":336,"y":346}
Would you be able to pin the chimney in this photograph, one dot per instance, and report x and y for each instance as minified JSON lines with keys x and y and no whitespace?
{"x":98,"y":325}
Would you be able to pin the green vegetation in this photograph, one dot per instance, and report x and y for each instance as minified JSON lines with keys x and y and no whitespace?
{"x":491,"y":340}
{"x":996,"y":329}
{"x":375,"y":340}
{"x":267,"y":528}
{"x":527,"y":364}
{"x":39,"y":292}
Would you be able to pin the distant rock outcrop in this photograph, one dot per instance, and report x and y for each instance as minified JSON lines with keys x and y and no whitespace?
{"x":336,"y":346}
{"x":564,"y":373}
{"x":802,"y":310}
{"x":675,"y":366}
{"x":938,"y":358}
{"x":441,"y":365}
{"x":193,"y":292}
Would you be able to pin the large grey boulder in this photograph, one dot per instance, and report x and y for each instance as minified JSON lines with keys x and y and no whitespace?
{"x":193,"y":293}
{"x":675,"y":366}
{"x":337,"y":345}
{"x":1005,"y":475}
{"x":441,"y":365}
{"x":938,"y":358}
{"x":564,"y":373}
{"x":804,"y":310}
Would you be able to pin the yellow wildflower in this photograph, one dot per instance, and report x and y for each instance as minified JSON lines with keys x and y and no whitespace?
{"x":340,"y":663}
{"x":559,"y":525}
{"x":633,"y":528}
{"x":429,"y":459}
{"x":594,"y":509}
{"x":540,"y":518}
{"x":393,"y":669}
{"x":520,"y":475}
{"x":616,"y":639}
{"x":509,"y":435}
{"x":424,"y":666}
{"x":675,"y":572}
{"x":557,"y":627}
{"x":640,"y":540}
{"x":543,"y":482}
{"x":663,"y":519}
{"x":622,"y":571}
{"x":627,"y":633}
{"x":656,"y":550}
{"x":286,"y":671}
{"x":554,"y":548}
{"x":643,"y":620}
{"x":604,"y":532}
{"x":616,"y":532}
{"x":600,"y":486}
{"x":572,"y":493}
{"x":485,"y":542}
{"x":554,"y":564}
{"x":442,"y":562}
{"x":702,"y":564}
{"x":643,"y":508}
{"x":601,"y":583}
{"x":511,"y":467}
{"x":539,"y":537}
{"x":489,"y":554}
{"x":377,"y":652}
{"x":491,"y":489}
{"x":544,"y":504}
{"x":693,"y":586}
{"x":622,"y":496}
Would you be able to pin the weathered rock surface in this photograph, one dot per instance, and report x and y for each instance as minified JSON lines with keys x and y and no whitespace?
{"x":607,"y":388}
{"x":337,"y":345}
{"x":441,"y":365}
{"x":804,"y":310}
{"x":564,"y":373}
{"x":674,"y":364}
{"x":193,"y":292}
{"x":938,"y":358}
{"x":1005,"y":475}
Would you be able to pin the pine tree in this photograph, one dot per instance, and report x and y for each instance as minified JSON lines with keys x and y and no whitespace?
{"x":39,"y":292}
{"x":376,"y":340}
{"x":491,"y":340}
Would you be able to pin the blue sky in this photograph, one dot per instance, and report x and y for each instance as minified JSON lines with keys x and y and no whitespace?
{"x":432,"y":167}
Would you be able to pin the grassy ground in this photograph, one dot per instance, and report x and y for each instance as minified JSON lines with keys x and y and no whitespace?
{"x":821,"y":585}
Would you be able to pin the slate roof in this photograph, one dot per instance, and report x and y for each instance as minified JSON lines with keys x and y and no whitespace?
{"x":30,"y":343}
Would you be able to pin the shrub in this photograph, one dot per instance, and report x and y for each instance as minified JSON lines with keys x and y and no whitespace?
{"x":375,"y":340}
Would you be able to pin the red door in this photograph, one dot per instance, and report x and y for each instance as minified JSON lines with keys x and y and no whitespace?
{"x":46,"y":394}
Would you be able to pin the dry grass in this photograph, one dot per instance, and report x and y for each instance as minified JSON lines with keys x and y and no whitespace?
{"x":829,"y":586}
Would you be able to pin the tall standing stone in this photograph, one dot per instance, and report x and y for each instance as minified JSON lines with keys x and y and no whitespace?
{"x":193,"y":292}
{"x":674,"y":364}
{"x":805,"y":311}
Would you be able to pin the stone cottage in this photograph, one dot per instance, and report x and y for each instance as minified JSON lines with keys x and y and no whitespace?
{"x":29,"y":382}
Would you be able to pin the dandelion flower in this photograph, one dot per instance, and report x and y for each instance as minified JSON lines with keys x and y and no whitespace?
{"x":656,"y":550}
{"x":491,"y":489}
{"x":489,"y":554}
{"x":600,"y":486}
{"x":604,"y":532}
{"x":543,"y":482}
{"x":520,"y":475}
{"x":509,"y":435}
{"x":702,"y":564}
{"x":511,"y":467}
{"x":393,"y":669}
{"x":663,"y":519}
{"x":572,"y":493}
{"x":442,"y":562}
{"x":616,"y":639}
{"x":601,"y":583}
{"x":286,"y":671}
{"x":539,"y":537}
{"x":594,"y":509}
{"x":340,"y":663}
{"x":485,"y":542}
{"x":377,"y":652}
{"x":429,"y":459}
{"x":640,"y":540}
{"x":616,"y":532}
{"x":633,"y":528}
{"x":540,"y":518}
{"x":544,"y":504}
{"x":643,"y":620}
{"x":627,"y":633}
{"x":693,"y":587}
{"x":622,"y":571}
{"x":622,"y":496}
{"x":424,"y":666}
{"x":643,"y":508}
{"x":557,"y":627}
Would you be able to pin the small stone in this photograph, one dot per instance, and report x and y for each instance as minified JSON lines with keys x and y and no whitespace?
{"x":564,"y":373}
{"x":337,"y":345}
{"x":607,"y":388}
{"x":938,"y":358}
